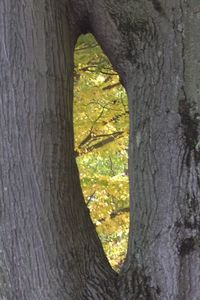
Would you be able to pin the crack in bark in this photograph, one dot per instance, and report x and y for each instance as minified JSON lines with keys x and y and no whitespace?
{"x":190,"y":120}
{"x":157,"y":6}
{"x":187,"y":245}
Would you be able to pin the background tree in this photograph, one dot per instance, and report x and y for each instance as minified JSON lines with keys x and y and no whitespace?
{"x":49,"y":247}
{"x":101,"y":142}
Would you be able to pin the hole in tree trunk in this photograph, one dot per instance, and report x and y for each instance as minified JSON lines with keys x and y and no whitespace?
{"x":101,"y":124}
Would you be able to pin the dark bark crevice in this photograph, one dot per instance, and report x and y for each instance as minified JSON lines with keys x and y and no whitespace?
{"x":190,"y":119}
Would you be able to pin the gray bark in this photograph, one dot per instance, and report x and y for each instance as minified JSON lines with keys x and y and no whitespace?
{"x":49,"y":248}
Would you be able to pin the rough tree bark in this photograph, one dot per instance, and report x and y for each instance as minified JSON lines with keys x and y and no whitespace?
{"x":48,"y":245}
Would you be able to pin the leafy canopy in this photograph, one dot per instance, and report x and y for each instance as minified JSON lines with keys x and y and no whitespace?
{"x":101,"y":138}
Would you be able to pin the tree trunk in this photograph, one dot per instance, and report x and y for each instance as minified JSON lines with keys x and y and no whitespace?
{"x":49,"y":247}
{"x":159,"y":65}
{"x":164,"y":245}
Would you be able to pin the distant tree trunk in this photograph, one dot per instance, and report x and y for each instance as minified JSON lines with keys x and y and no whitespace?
{"x":48,"y":246}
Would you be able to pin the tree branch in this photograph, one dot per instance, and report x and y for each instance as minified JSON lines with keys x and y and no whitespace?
{"x":111,"y":138}
{"x":116,"y":213}
{"x":109,"y":87}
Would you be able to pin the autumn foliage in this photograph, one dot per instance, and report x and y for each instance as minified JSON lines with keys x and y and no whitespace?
{"x":101,"y":145}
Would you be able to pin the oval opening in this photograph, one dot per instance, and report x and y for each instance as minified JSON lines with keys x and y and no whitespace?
{"x":101,"y":125}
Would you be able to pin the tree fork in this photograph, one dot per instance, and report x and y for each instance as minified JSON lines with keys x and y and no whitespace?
{"x":45,"y":225}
